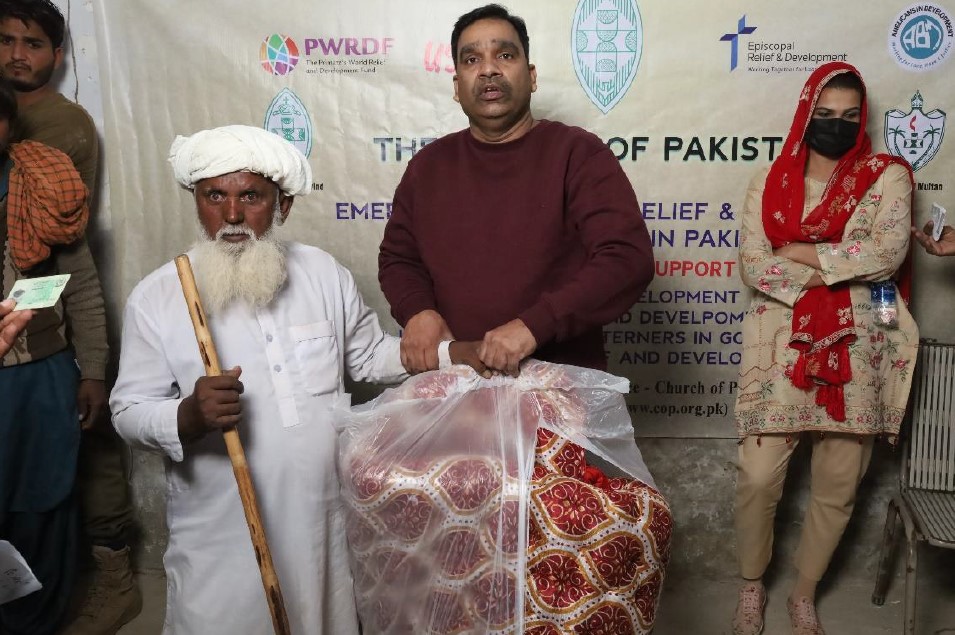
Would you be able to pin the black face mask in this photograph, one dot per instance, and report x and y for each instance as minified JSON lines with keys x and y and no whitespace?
{"x":833,"y":137}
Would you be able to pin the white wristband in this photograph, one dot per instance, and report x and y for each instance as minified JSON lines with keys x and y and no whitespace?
{"x":444,"y":356}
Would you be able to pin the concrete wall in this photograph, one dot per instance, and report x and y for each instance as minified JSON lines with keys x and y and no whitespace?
{"x":699,"y":476}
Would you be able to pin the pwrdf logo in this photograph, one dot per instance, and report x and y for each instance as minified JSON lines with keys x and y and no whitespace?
{"x":915,"y":135}
{"x":288,"y":118}
{"x":278,"y":54}
{"x":607,"y":42}
{"x":921,"y":36}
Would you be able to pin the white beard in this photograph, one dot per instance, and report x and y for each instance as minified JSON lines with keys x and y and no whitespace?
{"x":251,"y":271}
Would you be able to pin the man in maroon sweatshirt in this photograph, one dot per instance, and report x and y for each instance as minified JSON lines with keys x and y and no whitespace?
{"x":523,"y":234}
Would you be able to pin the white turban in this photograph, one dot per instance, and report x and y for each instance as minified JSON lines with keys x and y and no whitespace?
{"x":228,"y":149}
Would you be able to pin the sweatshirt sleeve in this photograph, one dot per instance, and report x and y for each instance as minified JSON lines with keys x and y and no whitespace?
{"x":84,"y":308}
{"x":603,"y":209}
{"x":403,"y":276}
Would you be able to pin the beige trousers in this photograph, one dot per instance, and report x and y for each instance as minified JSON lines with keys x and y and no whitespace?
{"x":839,"y":462}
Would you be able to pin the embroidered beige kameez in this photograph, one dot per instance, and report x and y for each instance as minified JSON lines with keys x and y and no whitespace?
{"x":874,"y":245}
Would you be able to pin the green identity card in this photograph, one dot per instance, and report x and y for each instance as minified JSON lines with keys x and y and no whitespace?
{"x":38,"y":293}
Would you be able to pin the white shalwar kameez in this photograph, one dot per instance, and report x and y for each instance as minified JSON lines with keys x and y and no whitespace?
{"x":292,"y":355}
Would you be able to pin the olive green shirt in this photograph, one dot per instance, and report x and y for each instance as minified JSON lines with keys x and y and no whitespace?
{"x":66,"y":126}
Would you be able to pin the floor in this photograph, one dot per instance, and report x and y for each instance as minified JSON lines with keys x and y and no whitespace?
{"x":844,"y":609}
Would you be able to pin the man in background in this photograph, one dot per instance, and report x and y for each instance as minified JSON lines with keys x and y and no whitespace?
{"x":31,"y":49}
{"x":43,"y":216}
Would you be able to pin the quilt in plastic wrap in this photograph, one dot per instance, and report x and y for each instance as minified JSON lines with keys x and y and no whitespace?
{"x":502,"y":505}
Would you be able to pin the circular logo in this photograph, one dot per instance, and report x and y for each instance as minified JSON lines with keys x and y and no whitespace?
{"x":278,"y":54}
{"x":921,"y":37}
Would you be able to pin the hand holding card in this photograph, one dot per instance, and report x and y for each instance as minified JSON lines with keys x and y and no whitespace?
{"x":38,"y":293}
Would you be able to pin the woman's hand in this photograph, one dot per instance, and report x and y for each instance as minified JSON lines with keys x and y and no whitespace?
{"x":802,"y":253}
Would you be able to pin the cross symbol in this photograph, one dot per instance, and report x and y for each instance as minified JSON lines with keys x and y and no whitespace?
{"x":733,"y":39}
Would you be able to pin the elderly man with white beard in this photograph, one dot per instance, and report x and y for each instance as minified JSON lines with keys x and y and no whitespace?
{"x":289,"y":320}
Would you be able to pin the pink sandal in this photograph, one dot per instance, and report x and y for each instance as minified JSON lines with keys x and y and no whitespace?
{"x":802,"y":616}
{"x":748,"y":619}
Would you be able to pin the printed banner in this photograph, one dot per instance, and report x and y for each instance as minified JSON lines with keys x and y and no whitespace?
{"x":692,"y":101}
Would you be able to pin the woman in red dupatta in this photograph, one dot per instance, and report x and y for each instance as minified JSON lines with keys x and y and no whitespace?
{"x":826,"y":220}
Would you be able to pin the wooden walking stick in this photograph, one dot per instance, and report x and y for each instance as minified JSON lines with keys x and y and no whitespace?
{"x":243,"y":478}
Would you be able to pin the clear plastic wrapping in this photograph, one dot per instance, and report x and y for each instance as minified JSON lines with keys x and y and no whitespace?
{"x":502,"y":506}
{"x":885,"y":308}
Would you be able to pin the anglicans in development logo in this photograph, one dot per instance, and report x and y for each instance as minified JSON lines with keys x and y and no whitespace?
{"x":921,"y":37}
{"x":916,"y":135}
{"x":607,"y":42}
{"x":278,"y":54}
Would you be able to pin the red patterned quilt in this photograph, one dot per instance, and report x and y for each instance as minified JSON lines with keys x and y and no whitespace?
{"x":449,"y":541}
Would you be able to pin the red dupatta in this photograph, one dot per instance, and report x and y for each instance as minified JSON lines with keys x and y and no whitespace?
{"x":823,"y":325}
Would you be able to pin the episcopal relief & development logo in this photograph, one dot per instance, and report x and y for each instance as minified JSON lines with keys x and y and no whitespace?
{"x":278,"y":54}
{"x":921,"y":36}
{"x":767,"y":53}
{"x":288,"y":118}
{"x":916,"y":135}
{"x":607,"y":42}
{"x":733,"y":39}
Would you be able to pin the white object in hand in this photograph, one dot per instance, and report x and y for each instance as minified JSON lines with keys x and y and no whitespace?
{"x":938,"y":220}
{"x":444,"y":355}
{"x":16,"y":578}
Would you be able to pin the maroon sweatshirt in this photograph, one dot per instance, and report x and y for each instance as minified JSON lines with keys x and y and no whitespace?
{"x":545,"y":228}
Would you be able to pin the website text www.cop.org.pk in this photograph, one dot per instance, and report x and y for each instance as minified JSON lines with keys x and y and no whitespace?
{"x":709,"y":410}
